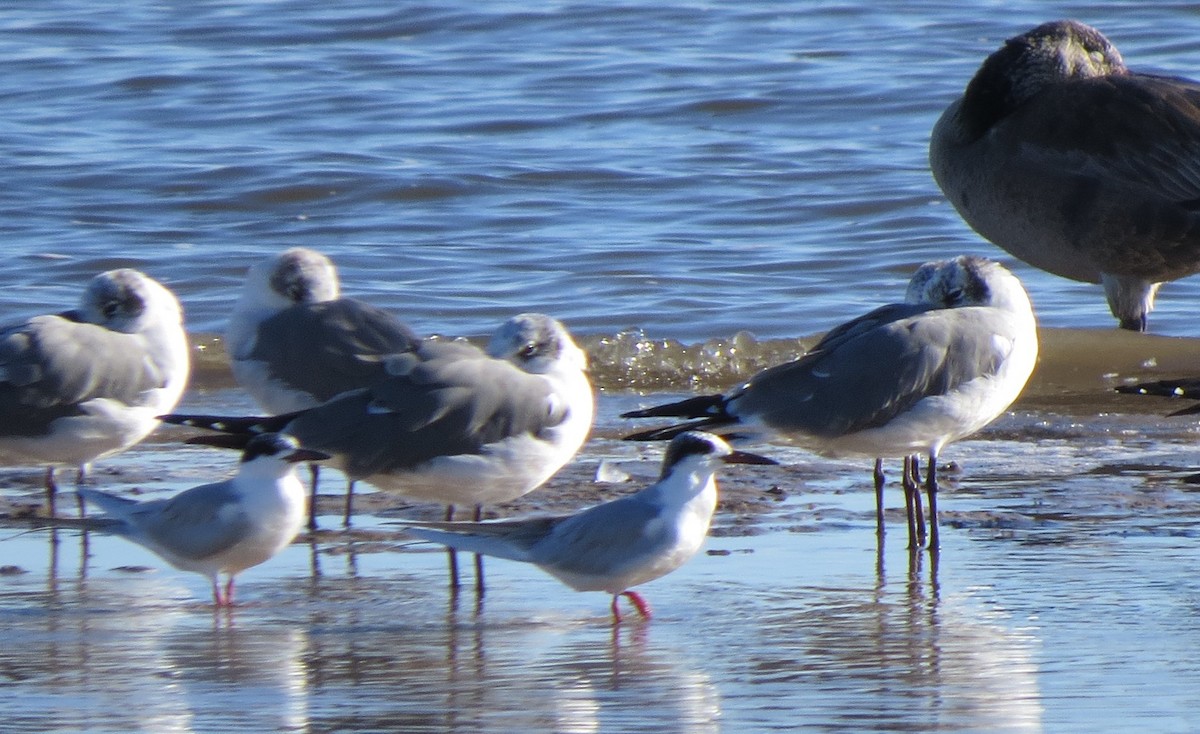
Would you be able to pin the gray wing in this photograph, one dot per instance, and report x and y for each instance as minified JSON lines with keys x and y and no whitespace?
{"x":1127,"y":159}
{"x":196,"y":523}
{"x":605,"y":539}
{"x":437,"y":407}
{"x":52,"y":364}
{"x":866,"y":380}
{"x":327,"y":348}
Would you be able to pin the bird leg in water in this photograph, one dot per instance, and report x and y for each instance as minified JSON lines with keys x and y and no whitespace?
{"x":931,"y":488}
{"x":51,"y":492}
{"x":349,"y":510}
{"x":912,"y":502}
{"x":479,"y":586}
{"x":879,"y":479}
{"x":451,"y":556}
{"x":222,"y":600}
{"x":634,"y":598}
{"x":314,"y":473}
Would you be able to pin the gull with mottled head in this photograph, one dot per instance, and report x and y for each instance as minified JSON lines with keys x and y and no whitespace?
{"x":89,"y":383}
{"x":903,"y":379}
{"x":295,"y":342}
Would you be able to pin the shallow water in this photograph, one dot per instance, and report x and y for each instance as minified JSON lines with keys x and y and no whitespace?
{"x":698,"y":190}
{"x":1061,"y":600}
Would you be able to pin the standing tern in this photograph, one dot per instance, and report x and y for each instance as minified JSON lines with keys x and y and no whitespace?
{"x":1065,"y":158}
{"x":902,"y":379}
{"x":220,"y":528}
{"x":225,"y":527}
{"x":617,"y":545}
{"x":294,"y":342}
{"x":88,"y":383}
{"x":451,"y":423}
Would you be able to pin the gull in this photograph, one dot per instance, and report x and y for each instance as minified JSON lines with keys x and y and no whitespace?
{"x":902,"y":379}
{"x":224,"y":527}
{"x":616,"y":545}
{"x":88,"y":383}
{"x":451,"y":423}
{"x":294,"y":342}
{"x":1059,"y":154}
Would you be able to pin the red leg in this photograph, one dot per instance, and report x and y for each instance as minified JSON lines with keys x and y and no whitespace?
{"x":638,"y":602}
{"x":616,"y":609}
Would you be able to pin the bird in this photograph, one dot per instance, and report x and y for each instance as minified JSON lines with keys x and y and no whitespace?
{"x":88,"y":383}
{"x":901,"y":379}
{"x":224,"y":527}
{"x":294,"y":342}
{"x":452,"y":423}
{"x":619,"y":544}
{"x":1060,"y":155}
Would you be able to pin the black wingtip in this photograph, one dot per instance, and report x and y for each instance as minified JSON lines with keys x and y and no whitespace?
{"x":697,"y":407}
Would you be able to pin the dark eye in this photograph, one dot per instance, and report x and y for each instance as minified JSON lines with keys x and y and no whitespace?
{"x":954,"y":296}
{"x":529,"y":351}
{"x":111,"y":308}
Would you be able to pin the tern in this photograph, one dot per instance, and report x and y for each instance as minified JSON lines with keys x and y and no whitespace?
{"x":617,"y":545}
{"x":220,"y":528}
{"x":451,"y":423}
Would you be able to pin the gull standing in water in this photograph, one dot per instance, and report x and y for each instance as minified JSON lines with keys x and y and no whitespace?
{"x":902,"y":379}
{"x":294,"y":342}
{"x":1065,"y":158}
{"x":451,"y":423}
{"x":616,"y":545}
{"x":89,"y":383}
{"x":220,"y":528}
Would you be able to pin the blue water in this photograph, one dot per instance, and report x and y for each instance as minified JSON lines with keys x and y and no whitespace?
{"x":694,"y":169}
{"x":689,"y":169}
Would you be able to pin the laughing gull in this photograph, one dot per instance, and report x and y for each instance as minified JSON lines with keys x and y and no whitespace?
{"x":616,"y":545}
{"x":451,"y":423}
{"x":89,"y":383}
{"x":1063,"y":157}
{"x":294,"y":342}
{"x":220,"y":528}
{"x":902,"y":379}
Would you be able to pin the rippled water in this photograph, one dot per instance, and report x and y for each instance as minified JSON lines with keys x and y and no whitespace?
{"x":690,"y":168}
{"x":670,"y":179}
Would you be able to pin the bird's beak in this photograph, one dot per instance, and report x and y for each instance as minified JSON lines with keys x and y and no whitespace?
{"x":745,"y":457}
{"x":306,"y":455}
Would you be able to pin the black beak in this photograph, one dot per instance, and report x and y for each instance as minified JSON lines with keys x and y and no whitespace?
{"x":745,"y":457}
{"x":306,"y":455}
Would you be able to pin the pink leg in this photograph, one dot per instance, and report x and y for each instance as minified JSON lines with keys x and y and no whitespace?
{"x":616,"y":609}
{"x":638,"y":602}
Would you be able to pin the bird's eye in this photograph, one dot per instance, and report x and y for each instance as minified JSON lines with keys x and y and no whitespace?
{"x":954,"y":296}
{"x":110,"y":309}
{"x":529,"y":351}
